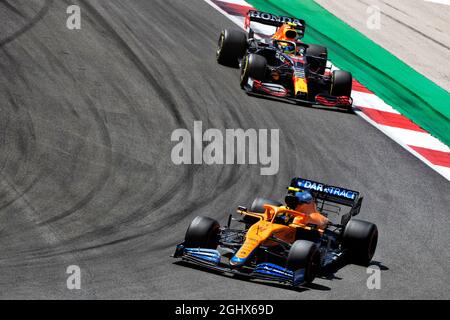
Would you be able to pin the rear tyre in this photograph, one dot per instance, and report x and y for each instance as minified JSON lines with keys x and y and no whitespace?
{"x":253,"y":66}
{"x":317,"y":65}
{"x":231,"y":47}
{"x":258,"y":207}
{"x":341,"y":83}
{"x":202,"y":233}
{"x":304,"y":254}
{"x":360,"y":238}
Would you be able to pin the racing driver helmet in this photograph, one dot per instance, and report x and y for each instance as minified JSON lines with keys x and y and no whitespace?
{"x":298,"y":198}
{"x":304,"y":197}
{"x":286,"y":47}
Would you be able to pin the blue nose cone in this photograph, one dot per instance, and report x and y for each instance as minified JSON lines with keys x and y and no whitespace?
{"x":237,"y":262}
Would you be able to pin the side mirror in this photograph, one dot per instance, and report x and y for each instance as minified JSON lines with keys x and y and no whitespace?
{"x":241,"y":208}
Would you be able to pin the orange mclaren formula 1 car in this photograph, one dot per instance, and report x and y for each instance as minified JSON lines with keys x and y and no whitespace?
{"x":282,"y":66}
{"x":289,"y":243}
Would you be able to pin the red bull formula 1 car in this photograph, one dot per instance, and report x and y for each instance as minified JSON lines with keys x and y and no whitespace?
{"x":288,"y":243}
{"x":283,"y":66}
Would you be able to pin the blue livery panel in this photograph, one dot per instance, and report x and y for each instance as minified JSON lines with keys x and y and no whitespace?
{"x":330,"y":190}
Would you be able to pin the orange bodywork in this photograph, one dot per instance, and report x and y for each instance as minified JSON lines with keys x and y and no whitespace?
{"x":260,"y":232}
{"x":286,"y":32}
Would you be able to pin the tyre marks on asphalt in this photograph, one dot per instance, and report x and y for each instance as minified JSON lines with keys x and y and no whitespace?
{"x":30,"y":22}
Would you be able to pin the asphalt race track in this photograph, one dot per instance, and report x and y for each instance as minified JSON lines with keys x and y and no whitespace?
{"x":87,"y":178}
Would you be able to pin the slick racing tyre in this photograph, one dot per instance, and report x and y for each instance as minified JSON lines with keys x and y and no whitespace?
{"x":258,"y":204}
{"x":360,"y":238}
{"x":202,"y":233}
{"x":304,"y":254}
{"x":317,"y":65}
{"x":341,"y":83}
{"x":258,"y":207}
{"x":231,"y":47}
{"x":253,"y":66}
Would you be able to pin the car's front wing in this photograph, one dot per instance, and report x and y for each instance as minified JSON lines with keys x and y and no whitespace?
{"x":211,"y":259}
{"x":258,"y":88}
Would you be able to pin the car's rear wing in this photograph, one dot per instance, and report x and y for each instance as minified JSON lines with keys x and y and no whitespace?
{"x":325,"y":192}
{"x":275,"y":21}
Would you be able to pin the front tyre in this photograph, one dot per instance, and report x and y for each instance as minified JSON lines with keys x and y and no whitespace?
{"x":360,"y":238}
{"x":231,"y":47}
{"x":341,"y":83}
{"x":202,"y":233}
{"x":258,"y":204}
{"x":304,"y":254}
{"x":253,"y":66}
{"x":258,"y":207}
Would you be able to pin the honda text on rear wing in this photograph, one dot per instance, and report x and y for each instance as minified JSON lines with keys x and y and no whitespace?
{"x":275,"y":21}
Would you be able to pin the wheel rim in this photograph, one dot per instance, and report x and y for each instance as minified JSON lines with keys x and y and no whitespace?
{"x":244,"y":70}
{"x":220,"y":44}
{"x":332,"y":84}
